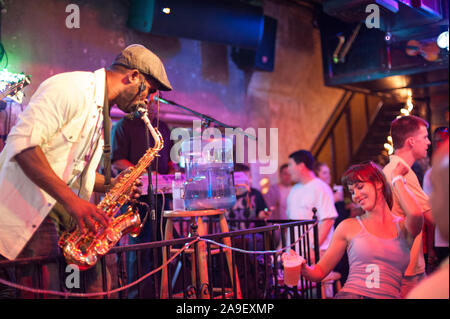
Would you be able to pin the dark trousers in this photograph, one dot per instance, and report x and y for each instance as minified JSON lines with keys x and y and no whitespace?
{"x":42,"y":243}
{"x":151,"y":231}
{"x":441,"y":253}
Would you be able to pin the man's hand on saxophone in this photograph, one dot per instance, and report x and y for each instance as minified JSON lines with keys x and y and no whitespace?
{"x":86,"y":215}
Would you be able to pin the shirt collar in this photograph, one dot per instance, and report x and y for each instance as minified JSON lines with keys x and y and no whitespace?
{"x":100,"y":83}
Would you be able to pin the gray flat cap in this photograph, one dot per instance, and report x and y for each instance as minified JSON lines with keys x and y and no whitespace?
{"x":138,"y":57}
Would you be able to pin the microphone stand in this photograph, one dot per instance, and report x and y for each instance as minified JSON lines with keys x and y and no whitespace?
{"x":150,"y":200}
{"x":206,"y":120}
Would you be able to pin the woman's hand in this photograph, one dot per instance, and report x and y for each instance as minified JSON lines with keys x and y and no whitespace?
{"x":400,"y":170}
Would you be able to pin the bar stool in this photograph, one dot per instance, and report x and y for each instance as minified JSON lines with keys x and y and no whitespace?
{"x":198,"y":226}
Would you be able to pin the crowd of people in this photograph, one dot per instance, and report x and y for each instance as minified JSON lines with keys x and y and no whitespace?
{"x":375,"y":242}
{"x":385,"y":244}
{"x":48,"y":172}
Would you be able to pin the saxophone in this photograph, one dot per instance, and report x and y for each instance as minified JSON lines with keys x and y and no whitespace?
{"x":84,"y":249}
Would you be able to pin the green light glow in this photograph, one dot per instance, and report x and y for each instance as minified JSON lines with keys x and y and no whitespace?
{"x":8,"y":77}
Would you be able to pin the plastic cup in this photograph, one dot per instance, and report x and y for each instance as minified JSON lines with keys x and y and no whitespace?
{"x":292,"y":264}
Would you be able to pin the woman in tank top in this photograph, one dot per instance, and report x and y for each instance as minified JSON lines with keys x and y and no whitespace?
{"x":377,"y":242}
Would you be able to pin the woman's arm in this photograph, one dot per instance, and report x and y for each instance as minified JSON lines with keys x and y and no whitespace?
{"x":408,"y":203}
{"x":331,"y":257}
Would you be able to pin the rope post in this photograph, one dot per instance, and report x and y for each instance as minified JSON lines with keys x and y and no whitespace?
{"x":194,"y":227}
{"x":316,"y":237}
{"x":196,"y":258}
{"x":316,"y":248}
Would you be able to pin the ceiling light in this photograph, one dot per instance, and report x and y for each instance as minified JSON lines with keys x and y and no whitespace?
{"x":442,"y":40}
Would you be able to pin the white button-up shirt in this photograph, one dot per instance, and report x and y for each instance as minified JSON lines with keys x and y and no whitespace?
{"x":64,"y":117}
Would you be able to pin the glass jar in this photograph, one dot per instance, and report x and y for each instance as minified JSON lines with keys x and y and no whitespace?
{"x":209,"y":180}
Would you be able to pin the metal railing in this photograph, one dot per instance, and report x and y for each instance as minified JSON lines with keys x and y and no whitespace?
{"x":134,"y":271}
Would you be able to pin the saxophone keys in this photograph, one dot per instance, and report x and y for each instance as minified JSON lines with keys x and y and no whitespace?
{"x":113,"y":235}
{"x":102,"y":247}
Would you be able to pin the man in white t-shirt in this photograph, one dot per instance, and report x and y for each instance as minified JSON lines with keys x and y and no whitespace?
{"x":310,"y":192}
{"x":410,"y":139}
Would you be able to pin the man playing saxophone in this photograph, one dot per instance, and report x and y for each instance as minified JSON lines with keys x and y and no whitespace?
{"x":49,"y":163}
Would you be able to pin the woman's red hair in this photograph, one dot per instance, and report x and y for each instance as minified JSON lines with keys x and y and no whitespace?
{"x":368,"y":173}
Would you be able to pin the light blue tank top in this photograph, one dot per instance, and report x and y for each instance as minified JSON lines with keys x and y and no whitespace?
{"x":376,"y":265}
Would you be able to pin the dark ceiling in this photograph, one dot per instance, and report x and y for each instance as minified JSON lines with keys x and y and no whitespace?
{"x":377,"y":60}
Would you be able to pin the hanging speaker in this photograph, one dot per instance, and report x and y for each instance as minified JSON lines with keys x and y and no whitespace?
{"x":231,"y":22}
{"x":263,"y":58}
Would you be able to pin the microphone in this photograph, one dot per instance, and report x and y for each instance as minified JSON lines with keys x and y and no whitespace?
{"x":160,"y":99}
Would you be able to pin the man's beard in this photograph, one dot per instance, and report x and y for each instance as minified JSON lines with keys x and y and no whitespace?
{"x":126,"y":99}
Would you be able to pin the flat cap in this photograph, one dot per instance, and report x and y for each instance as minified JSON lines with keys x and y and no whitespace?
{"x":136,"y":56}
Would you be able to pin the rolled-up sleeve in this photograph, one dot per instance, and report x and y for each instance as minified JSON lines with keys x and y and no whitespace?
{"x":26,"y":138}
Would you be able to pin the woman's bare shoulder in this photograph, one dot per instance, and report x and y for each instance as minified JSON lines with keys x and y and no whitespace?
{"x":348,"y":228}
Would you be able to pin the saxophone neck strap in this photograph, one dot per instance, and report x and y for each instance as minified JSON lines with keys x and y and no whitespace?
{"x":107,"y":138}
